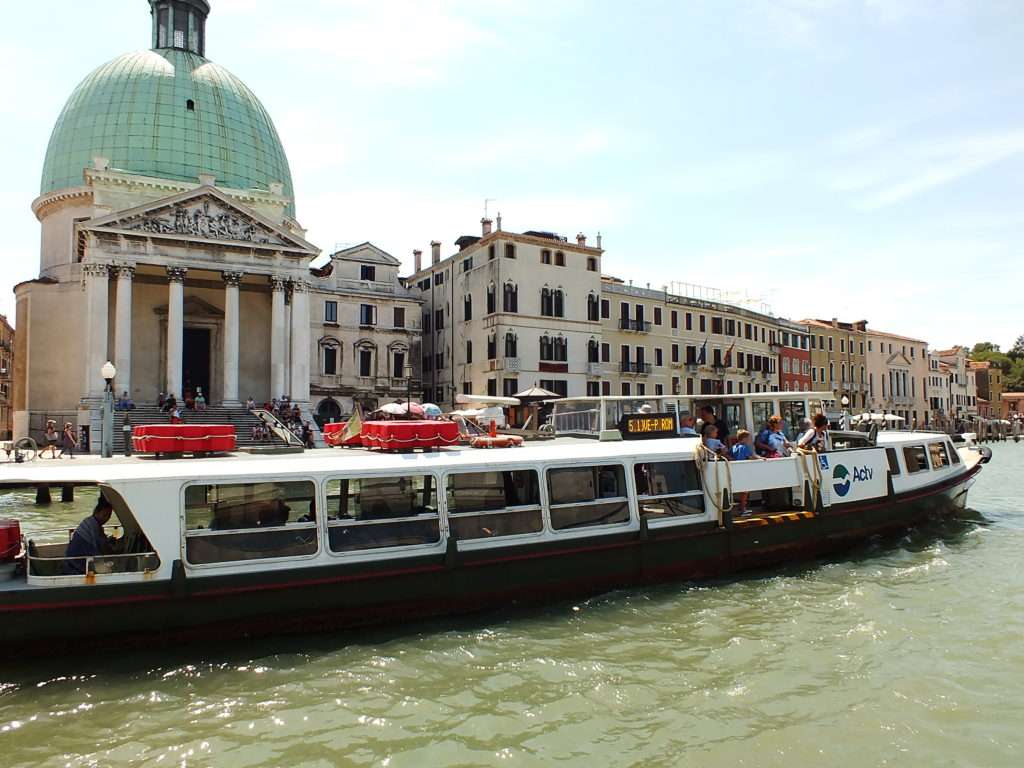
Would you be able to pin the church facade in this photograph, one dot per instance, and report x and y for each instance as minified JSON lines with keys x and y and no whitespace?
{"x":169,"y":243}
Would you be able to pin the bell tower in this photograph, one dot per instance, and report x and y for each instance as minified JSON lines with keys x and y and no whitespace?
{"x":180,"y":24}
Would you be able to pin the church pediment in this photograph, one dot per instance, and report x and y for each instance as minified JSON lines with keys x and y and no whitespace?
{"x":202,"y":215}
{"x":366,"y":253}
{"x":898,"y":358}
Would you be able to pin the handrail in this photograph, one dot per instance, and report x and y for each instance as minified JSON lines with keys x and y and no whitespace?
{"x":277,"y":427}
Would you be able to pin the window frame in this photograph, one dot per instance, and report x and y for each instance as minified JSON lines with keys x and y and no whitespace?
{"x":924,"y":450}
{"x":671,"y":520}
{"x":254,"y":563}
{"x":382,"y":553}
{"x":631,"y":521}
{"x":496,"y":541}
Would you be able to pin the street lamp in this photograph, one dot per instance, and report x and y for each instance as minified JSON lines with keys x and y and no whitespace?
{"x":108,"y":372}
{"x":407,"y":370}
{"x":845,"y":401}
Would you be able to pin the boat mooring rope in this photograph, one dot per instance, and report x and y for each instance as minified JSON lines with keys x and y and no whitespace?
{"x":702,"y":456}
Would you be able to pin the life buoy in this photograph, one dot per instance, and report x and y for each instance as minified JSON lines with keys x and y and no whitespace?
{"x":498,"y":441}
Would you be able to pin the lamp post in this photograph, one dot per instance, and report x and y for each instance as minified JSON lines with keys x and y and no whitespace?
{"x":108,"y":372}
{"x":407,"y":370}
{"x":846,"y":402}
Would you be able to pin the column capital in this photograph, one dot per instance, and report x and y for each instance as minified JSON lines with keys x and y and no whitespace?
{"x":277,"y":283}
{"x":176,"y":274}
{"x":123,"y":271}
{"x":299,"y":286}
{"x":232,"y":278}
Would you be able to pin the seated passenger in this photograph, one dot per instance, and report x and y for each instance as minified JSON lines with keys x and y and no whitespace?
{"x":816,"y":438}
{"x":686,"y":426}
{"x":89,"y":539}
{"x":777,"y":442}
{"x":709,"y":435}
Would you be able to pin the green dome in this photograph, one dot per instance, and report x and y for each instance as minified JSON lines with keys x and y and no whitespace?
{"x":168,"y":113}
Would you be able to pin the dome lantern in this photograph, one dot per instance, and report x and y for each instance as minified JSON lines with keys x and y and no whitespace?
{"x":180,"y":24}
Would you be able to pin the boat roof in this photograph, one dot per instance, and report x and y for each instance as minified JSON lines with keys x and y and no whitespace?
{"x":825,"y":395}
{"x":89,"y":470}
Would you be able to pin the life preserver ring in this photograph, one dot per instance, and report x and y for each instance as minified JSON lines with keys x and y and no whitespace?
{"x":498,"y":441}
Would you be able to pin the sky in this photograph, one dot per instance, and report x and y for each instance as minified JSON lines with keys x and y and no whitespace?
{"x":860,"y":159}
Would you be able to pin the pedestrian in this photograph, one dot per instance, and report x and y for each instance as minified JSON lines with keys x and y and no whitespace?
{"x":52,"y":439}
{"x":200,"y":401}
{"x":70,"y":440}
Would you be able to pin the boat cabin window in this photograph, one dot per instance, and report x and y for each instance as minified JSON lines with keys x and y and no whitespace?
{"x":953,"y":455}
{"x":249,"y":521}
{"x":587,"y":496}
{"x":483,"y":505}
{"x":668,"y":489}
{"x":382,"y":512}
{"x":940,"y":458}
{"x":89,"y":545}
{"x":894,"y":464}
{"x":916,"y":459}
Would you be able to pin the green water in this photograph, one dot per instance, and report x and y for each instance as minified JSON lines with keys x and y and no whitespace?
{"x":906,"y":652}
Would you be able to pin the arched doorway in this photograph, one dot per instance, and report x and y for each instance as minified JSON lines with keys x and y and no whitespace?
{"x":327,"y":411}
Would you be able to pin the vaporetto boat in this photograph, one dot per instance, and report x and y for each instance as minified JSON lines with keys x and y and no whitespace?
{"x":249,"y":545}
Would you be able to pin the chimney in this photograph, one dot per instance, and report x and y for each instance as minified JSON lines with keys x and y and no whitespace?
{"x":598,"y":239}
{"x":435,"y":251}
{"x":835,"y":322}
{"x":417,"y":260}
{"x":581,"y":239}
{"x":499,"y":221}
{"x":485,"y":224}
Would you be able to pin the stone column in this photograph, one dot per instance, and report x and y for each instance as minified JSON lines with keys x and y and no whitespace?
{"x":123,"y":329}
{"x":277,"y":350}
{"x":231,"y":280}
{"x":96,"y":278}
{"x":300,"y":341}
{"x":175,"y":328}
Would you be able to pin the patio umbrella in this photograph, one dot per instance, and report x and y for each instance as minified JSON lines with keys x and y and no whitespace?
{"x":429,"y":409}
{"x":402,"y":409}
{"x":893,"y":417}
{"x":535,"y":393}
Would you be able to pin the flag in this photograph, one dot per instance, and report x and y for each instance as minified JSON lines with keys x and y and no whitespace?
{"x":354,"y":426}
{"x":728,"y":356}
{"x":703,"y":357}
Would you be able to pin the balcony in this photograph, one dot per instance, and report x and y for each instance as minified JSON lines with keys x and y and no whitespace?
{"x":594,"y":369}
{"x":629,"y":367}
{"x":641,"y":326}
{"x":505,"y":364}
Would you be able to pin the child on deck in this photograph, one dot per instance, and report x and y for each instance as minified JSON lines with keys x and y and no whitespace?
{"x":743,"y":450}
{"x":710,"y":438}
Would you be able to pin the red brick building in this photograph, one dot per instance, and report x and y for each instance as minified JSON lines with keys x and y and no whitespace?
{"x":794,"y":358}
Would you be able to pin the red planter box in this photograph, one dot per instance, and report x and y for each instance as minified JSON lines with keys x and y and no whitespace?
{"x":183,"y":438}
{"x":403,"y":435}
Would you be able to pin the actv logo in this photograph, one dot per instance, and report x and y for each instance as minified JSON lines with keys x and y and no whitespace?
{"x":843,"y":479}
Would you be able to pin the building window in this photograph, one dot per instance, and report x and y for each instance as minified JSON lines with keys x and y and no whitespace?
{"x":331,"y":312}
{"x":491,"y":252}
{"x":365,"y":362}
{"x":492,"y":347}
{"x":675,"y":353}
{"x":491,"y":300}
{"x":510,"y":387}
{"x":658,"y":357}
{"x":438,"y":319}
{"x":552,"y":302}
{"x":689,"y":321}
{"x":510,"y":300}
{"x":469,"y":351}
{"x":367,"y":314}
{"x":439,"y":278}
{"x":593,"y":308}
{"x":593,"y":351}
{"x":492,"y":387}
{"x":593,"y":389}
{"x":591,"y":264}
{"x":554,"y":349}
{"x":606,"y":309}
{"x":511,"y":345}
{"x":330,"y":359}
{"x":657,"y":315}
{"x":703,"y":324}
{"x":559,"y":259}
{"x":559,"y":386}
{"x":510,"y":250}
{"x":606,"y":352}
{"x":467,"y":307}
{"x":674,"y":319}
{"x":367,"y":272}
{"x":399,"y":317}
{"x":398,"y":363}
{"x":545,"y":256}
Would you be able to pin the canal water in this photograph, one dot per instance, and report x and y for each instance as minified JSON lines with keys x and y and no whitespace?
{"x":907,"y":651}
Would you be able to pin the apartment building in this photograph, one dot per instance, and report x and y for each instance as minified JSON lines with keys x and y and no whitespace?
{"x":657,"y":343}
{"x":6,"y":379}
{"x":898,"y":370}
{"x":938,"y":387}
{"x":963,"y":391}
{"x":794,"y":357}
{"x":989,"y":380}
{"x":508,"y":311}
{"x":838,"y":361}
{"x":365,"y":331}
